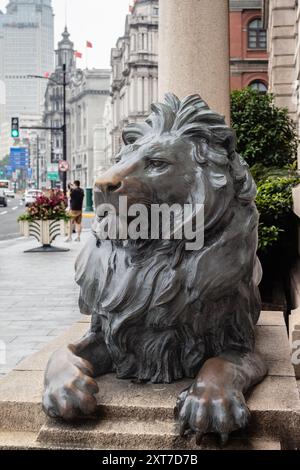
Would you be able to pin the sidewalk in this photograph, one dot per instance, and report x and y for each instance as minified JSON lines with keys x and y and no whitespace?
{"x":38,"y":297}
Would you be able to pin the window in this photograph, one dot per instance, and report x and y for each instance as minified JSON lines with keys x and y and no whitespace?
{"x":257,"y":36}
{"x":259,"y":86}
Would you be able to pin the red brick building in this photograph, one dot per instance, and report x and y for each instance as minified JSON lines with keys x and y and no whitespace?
{"x":248,"y":45}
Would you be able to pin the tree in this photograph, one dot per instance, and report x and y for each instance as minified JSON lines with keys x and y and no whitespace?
{"x":265,"y":133}
{"x":267,"y":140}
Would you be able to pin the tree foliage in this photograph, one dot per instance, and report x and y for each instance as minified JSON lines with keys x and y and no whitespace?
{"x":267,"y":140}
{"x":265,"y":133}
{"x":275,"y":205}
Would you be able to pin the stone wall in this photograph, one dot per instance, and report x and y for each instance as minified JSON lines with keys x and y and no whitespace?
{"x":282,"y":18}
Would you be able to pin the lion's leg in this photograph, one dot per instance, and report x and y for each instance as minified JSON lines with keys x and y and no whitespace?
{"x":69,"y":385}
{"x":215,"y":401}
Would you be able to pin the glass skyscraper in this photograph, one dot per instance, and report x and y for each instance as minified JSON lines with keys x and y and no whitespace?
{"x":26,"y":47}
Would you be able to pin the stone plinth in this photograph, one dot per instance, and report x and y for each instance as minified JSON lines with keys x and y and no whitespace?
{"x":194,"y":51}
{"x":132,"y":416}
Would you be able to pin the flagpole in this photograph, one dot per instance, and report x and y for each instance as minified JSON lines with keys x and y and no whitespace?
{"x":86,"y":56}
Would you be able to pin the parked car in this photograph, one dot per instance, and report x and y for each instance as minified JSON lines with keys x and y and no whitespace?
{"x":3,"y":198}
{"x":10,"y":193}
{"x":31,"y":195}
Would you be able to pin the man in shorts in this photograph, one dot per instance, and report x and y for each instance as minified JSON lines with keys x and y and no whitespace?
{"x":76,"y":204}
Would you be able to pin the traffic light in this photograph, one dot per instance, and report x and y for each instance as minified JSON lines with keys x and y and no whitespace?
{"x":15,"y":131}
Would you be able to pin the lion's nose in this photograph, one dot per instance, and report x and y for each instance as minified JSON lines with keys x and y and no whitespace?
{"x":108,"y":187}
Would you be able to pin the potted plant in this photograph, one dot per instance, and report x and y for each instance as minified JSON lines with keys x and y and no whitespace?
{"x":46,"y":219}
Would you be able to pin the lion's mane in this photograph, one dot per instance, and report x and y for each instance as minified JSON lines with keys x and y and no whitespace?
{"x":163,"y":310}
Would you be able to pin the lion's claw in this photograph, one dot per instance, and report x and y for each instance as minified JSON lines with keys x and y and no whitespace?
{"x":69,"y":387}
{"x":205,"y":409}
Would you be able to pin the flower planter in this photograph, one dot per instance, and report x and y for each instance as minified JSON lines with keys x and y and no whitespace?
{"x":45,"y":231}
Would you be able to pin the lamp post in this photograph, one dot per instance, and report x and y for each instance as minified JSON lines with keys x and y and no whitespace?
{"x":64,"y":128}
{"x":64,"y":84}
{"x":37,"y":162}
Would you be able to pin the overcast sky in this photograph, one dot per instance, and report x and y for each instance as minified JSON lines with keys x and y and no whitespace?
{"x":98,"y":21}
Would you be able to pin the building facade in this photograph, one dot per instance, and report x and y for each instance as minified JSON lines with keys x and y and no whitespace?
{"x":88,"y":98}
{"x":103,"y":141}
{"x":26,"y":48}
{"x":282,"y":19}
{"x":134,"y":63}
{"x":134,"y":60}
{"x":53,"y":103}
{"x":248,"y":45}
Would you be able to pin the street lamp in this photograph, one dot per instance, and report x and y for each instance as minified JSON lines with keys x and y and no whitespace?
{"x":64,"y":84}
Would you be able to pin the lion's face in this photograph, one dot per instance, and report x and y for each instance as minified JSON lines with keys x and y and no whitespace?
{"x":160,"y":170}
{"x":164,"y":170}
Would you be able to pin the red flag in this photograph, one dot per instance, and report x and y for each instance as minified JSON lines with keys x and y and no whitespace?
{"x":78,"y":55}
{"x":89,"y":44}
{"x":46,"y":74}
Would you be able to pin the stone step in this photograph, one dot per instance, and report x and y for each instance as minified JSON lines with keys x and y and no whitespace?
{"x":141,"y":416}
{"x":28,"y":441}
{"x":138,"y":435}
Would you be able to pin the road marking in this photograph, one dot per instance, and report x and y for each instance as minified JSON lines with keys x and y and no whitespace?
{"x":3,"y":213}
{"x":15,"y":208}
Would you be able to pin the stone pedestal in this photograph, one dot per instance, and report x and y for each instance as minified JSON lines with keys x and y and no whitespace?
{"x":135,"y":416}
{"x":194,"y":51}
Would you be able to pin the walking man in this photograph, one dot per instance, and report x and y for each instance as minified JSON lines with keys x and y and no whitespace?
{"x":76,"y":204}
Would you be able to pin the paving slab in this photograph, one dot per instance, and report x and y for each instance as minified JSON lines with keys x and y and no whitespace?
{"x":39,"y":296}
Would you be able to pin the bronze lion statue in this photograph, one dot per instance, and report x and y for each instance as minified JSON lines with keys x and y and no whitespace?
{"x":159,"y":312}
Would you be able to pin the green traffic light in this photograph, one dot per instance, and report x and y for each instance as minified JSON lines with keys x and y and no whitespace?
{"x":15,"y":133}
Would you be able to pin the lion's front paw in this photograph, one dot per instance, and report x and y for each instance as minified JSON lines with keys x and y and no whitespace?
{"x":69,"y":388}
{"x":210,"y":409}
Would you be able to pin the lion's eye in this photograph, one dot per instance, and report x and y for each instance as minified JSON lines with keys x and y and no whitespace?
{"x":157,"y":164}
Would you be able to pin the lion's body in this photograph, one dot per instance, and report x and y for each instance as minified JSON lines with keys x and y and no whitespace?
{"x":163,"y":311}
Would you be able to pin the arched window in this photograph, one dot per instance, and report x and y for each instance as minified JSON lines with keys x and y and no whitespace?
{"x":259,"y":86}
{"x":257,"y":35}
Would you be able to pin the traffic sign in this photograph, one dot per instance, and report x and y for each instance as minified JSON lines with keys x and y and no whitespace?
{"x":52,"y":172}
{"x":19,"y":158}
{"x":63,"y":166}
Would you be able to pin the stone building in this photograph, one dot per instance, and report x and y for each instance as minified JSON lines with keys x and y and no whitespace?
{"x":103,"y":141}
{"x":282,"y":18}
{"x":134,"y":63}
{"x":134,"y":60}
{"x":88,"y":97}
{"x":248,"y":45}
{"x":53,"y":106}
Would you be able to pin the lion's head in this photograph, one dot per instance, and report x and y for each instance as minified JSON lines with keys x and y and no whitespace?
{"x":184,"y":153}
{"x":163,"y":310}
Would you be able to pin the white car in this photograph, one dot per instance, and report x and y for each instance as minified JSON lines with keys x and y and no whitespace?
{"x":30,"y":196}
{"x":10,"y":193}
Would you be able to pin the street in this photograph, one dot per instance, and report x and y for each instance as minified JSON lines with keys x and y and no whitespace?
{"x":9,"y":227}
